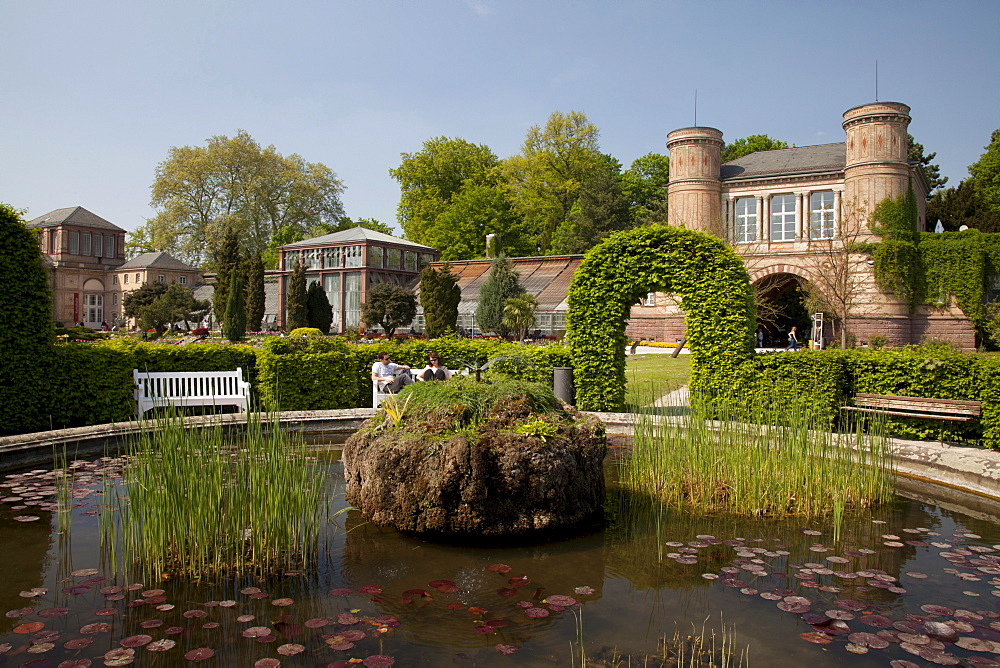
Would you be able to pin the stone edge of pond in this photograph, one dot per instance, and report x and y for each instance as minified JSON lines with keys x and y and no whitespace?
{"x":970,"y":469}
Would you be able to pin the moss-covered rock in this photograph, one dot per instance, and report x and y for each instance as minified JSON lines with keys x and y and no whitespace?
{"x":478,"y":459}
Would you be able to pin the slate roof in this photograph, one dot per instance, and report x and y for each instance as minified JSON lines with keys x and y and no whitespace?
{"x":74,"y":215}
{"x":159,"y":260}
{"x":355,"y":234}
{"x":786,"y":161}
{"x":546,"y":278}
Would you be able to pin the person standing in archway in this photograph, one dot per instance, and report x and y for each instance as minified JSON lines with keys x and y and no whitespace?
{"x":793,"y":341}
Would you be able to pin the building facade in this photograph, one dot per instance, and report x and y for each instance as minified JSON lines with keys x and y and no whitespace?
{"x":82,"y":251}
{"x":347,"y":264}
{"x":791,"y":212}
{"x":157,"y":267}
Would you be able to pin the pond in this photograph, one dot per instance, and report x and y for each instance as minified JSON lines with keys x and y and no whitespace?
{"x":916,"y":580}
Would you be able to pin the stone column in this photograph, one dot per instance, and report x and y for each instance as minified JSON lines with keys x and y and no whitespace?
{"x":765,"y":215}
{"x":836,"y":213}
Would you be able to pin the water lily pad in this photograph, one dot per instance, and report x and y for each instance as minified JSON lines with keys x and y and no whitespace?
{"x":817,"y":637}
{"x":560,"y":600}
{"x":978,"y":645}
{"x":283,"y":602}
{"x":267,"y":663}
{"x":52,"y":612}
{"x":256,"y":632}
{"x":135,"y":641}
{"x":584,"y":591}
{"x":341,"y":591}
{"x":193,"y":614}
{"x":353,"y":635}
{"x":378,"y":661}
{"x":28,"y":627}
{"x":499,"y":568}
{"x":76,"y":643}
{"x":161,"y":645}
{"x":536,"y":613}
{"x":505,"y":649}
{"x":200,"y":654}
{"x":291,"y":649}
{"x":370,"y":589}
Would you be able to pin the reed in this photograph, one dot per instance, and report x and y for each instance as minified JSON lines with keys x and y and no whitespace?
{"x":201,"y":502}
{"x":758,"y":459}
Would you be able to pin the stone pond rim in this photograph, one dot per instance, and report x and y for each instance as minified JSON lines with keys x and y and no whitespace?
{"x":969,"y":469}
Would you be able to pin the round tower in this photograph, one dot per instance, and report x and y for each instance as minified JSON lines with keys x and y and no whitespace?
{"x":694,"y":194}
{"x":877,"y":166}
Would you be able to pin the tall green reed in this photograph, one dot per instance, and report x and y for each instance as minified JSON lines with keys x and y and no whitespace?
{"x":202,"y":501}
{"x":758,"y":458}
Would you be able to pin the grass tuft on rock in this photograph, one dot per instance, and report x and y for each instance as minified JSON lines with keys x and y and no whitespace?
{"x":471,"y":402}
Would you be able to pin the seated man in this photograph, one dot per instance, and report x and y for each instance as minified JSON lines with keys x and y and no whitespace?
{"x":388,"y":375}
{"x":434,"y":369}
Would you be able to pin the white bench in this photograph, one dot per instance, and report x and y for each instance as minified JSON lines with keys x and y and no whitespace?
{"x":155,"y":389}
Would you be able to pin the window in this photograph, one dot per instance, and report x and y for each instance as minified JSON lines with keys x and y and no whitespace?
{"x":410,"y":261}
{"x":822,"y":221}
{"x":52,"y":241}
{"x":394,"y":258}
{"x":93,"y":308}
{"x":352,"y":256}
{"x":314,"y":258}
{"x":375,"y":256}
{"x":160,"y":278}
{"x":426,"y":259}
{"x":331,"y":286}
{"x":114,"y":300}
{"x":138,"y":279}
{"x":745,"y":219}
{"x":85,"y":246}
{"x":74,"y":242}
{"x":352,"y":299}
{"x":125,"y":278}
{"x":114,"y":279}
{"x":98,"y":245}
{"x":183,"y":280}
{"x":109,"y":245}
{"x":649,"y":299}
{"x":331,"y":258}
{"x":783,"y":218}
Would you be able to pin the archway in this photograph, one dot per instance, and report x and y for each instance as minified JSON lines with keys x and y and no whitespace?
{"x":709,"y":280}
{"x":781,"y":304}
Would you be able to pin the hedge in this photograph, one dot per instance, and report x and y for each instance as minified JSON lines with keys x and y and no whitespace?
{"x":82,"y":384}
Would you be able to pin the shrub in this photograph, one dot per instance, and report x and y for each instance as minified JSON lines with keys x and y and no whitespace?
{"x":306,"y":331}
{"x":200,"y":332}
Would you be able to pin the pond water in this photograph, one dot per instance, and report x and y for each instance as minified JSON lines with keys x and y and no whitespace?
{"x":382,"y":597}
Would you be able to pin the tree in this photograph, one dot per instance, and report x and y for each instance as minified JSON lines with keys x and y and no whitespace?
{"x":752,"y":144}
{"x":319,"y":313}
{"x":600,"y":210}
{"x":174,"y":303}
{"x":452,"y":196}
{"x":135,"y":301}
{"x":201,"y":191}
{"x":283,"y":236}
{"x":28,"y":331}
{"x":235,"y":326}
{"x":225,"y":257}
{"x":519,"y":314}
{"x":390,"y":306}
{"x":840,"y":280}
{"x":296,"y":310}
{"x":439,"y":297}
{"x":500,"y":285}
{"x":986,"y":174}
{"x":955,"y":207}
{"x":253,"y":279}
{"x":915,"y":153}
{"x":138,"y":242}
{"x":546,"y":177}
{"x":644,"y":185}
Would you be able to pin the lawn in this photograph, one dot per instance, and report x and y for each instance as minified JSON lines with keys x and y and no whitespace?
{"x":649,"y":377}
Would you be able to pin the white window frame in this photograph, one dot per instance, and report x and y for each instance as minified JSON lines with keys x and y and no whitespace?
{"x":783,"y":217}
{"x":745,"y":220}
{"x":822,"y":215}
{"x":183,"y":280}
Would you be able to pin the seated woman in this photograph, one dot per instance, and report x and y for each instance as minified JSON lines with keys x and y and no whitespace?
{"x":434,"y":369}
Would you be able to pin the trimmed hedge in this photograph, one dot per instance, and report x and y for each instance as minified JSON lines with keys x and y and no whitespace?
{"x":82,"y":384}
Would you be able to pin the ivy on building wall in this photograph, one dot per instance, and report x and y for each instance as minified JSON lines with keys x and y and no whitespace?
{"x":897,"y":258}
{"x":710,"y":280}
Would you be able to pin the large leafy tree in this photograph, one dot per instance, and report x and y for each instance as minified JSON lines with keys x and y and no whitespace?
{"x":500,"y":285}
{"x":959,"y":206}
{"x":319,"y":313}
{"x":201,"y":191}
{"x":915,"y":152}
{"x":644,"y":185}
{"x":986,"y":173}
{"x":752,"y":144}
{"x":546,"y":177}
{"x":296,"y":309}
{"x":145,"y":295}
{"x":390,"y":306}
{"x":452,"y":196}
{"x":439,"y":297}
{"x":601,"y":209}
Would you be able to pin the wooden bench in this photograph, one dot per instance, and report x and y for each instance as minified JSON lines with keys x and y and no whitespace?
{"x":157,"y":389}
{"x":946,"y":410}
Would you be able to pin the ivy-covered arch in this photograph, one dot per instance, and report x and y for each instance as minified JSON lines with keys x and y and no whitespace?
{"x":709,"y":279}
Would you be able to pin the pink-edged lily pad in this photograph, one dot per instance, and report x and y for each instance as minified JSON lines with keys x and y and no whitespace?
{"x":817,"y":637}
{"x":243,"y":619}
{"x":584,"y":591}
{"x":135,"y":641}
{"x":161,"y":645}
{"x":536,"y":613}
{"x":121,"y":656}
{"x":505,"y":649}
{"x":282,"y":602}
{"x":316,"y":622}
{"x":291,"y":649}
{"x":267,"y":663}
{"x":370,"y":589}
{"x":77,"y":643}
{"x":341,"y":591}
{"x":256,"y":632}
{"x":378,"y":661}
{"x":200,"y":654}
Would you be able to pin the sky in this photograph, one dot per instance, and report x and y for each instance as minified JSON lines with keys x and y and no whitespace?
{"x":94,"y":94}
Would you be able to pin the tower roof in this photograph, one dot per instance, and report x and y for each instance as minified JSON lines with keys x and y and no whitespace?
{"x":784,"y":161}
{"x":74,"y":215}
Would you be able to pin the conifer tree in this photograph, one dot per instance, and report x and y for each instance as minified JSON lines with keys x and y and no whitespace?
{"x":296,"y":312}
{"x":225,"y":258}
{"x":319,"y":313}
{"x":253,"y":280}
{"x":500,"y":285}
{"x":235,"y":326}
{"x":439,"y":297}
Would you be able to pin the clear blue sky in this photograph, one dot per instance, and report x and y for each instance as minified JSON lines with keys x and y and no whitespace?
{"x":93,"y":94}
